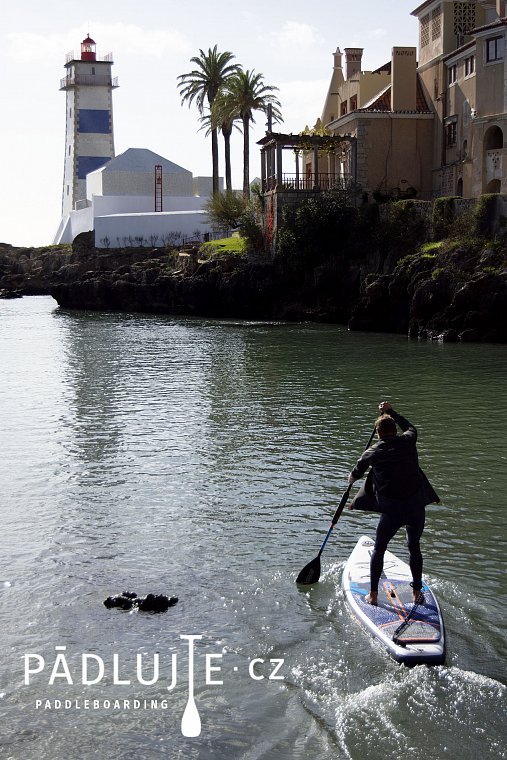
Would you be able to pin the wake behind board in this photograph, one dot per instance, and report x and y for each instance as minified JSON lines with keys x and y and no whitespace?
{"x":411,"y":636}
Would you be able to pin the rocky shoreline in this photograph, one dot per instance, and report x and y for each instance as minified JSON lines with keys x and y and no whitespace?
{"x":449,"y":293}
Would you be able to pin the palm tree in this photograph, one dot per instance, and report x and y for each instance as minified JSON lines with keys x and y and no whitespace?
{"x":224,"y":123}
{"x":245,"y":92}
{"x":203,"y":84}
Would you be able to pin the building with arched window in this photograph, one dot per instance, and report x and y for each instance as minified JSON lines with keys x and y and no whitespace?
{"x":431,"y":121}
{"x":462,"y":66}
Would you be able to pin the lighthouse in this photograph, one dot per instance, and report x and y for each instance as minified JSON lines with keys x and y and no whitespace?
{"x":89,"y":141}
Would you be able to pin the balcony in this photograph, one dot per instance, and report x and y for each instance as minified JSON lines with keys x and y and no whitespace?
{"x":108,"y":58}
{"x":298,"y":183}
{"x":99,"y":80}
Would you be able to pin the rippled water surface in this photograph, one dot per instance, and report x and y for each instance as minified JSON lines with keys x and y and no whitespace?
{"x":204,"y":459}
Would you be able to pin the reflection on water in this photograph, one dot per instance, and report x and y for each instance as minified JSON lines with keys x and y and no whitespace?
{"x":204,"y":459}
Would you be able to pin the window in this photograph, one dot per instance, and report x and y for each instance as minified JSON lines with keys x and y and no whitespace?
{"x":469,"y":65}
{"x":343,"y":110}
{"x":452,"y":74}
{"x":436,"y":24}
{"x":464,"y":20}
{"x":425,"y":30}
{"x":353,"y":103}
{"x":451,"y":131}
{"x":494,"y":49}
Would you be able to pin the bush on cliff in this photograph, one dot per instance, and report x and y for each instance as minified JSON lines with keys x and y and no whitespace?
{"x":225,"y":209}
{"x":231,"y":210}
{"x":443,"y":216}
{"x":404,"y":229}
{"x":317,"y":228}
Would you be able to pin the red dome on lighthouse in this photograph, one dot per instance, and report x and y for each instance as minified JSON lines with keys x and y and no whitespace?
{"x":88,"y":49}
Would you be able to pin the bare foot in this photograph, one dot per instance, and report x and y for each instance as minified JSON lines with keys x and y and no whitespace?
{"x":371,"y":598}
{"x":418,"y":596}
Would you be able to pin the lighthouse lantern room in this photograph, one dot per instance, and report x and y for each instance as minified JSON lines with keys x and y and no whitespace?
{"x":89,"y":139}
{"x":88,"y":49}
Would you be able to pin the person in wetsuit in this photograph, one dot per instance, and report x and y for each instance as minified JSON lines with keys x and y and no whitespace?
{"x":399,"y":491}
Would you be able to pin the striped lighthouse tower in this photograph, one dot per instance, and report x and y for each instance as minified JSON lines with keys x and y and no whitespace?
{"x":89,"y":141}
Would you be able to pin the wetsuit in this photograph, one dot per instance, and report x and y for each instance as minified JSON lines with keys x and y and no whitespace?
{"x":399,"y":493}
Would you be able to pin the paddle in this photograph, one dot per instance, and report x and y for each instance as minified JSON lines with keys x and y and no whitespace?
{"x":311,"y":572}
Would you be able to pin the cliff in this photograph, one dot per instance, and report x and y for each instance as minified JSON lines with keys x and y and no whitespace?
{"x":443,"y":290}
{"x":448,"y":291}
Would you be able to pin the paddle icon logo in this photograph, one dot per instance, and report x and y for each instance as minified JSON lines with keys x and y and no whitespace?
{"x":191,"y":721}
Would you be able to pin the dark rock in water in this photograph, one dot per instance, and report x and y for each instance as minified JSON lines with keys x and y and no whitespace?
{"x":121,"y":601}
{"x":156,"y":602}
{"x":149,"y":603}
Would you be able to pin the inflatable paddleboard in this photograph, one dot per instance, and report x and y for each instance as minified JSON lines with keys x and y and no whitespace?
{"x":412,"y":633}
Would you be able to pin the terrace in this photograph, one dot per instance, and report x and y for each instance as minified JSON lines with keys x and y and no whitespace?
{"x":341,"y":162}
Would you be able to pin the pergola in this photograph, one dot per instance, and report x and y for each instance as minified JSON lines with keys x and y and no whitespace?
{"x":341,"y":147}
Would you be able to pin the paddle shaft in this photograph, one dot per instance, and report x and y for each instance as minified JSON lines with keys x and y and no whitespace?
{"x":343,"y":501}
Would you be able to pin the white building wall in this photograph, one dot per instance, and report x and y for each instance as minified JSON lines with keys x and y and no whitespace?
{"x":126,"y":204}
{"x":95,"y":97}
{"x":68,"y":167}
{"x":94,"y":184}
{"x":73,"y":224}
{"x":203,"y":186}
{"x":143,"y":183}
{"x":185,"y":215}
{"x":118,"y":227}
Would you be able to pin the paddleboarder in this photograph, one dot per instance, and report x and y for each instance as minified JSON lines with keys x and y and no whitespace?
{"x":400,"y":493}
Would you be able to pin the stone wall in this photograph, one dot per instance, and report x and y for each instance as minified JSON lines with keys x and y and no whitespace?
{"x":274,"y":202}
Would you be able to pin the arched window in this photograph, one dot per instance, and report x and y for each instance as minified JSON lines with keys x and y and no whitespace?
{"x":493,"y":139}
{"x":493,"y":186}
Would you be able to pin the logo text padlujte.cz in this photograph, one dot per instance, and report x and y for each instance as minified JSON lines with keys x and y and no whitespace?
{"x":93,"y":668}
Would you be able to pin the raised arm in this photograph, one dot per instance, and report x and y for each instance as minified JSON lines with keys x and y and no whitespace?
{"x":408,"y":430}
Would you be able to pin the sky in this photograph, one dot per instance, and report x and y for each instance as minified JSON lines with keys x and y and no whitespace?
{"x":291,"y":42}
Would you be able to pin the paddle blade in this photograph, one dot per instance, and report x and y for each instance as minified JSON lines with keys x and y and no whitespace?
{"x":310,"y":573}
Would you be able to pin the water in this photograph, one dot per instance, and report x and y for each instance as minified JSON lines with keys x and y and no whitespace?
{"x":204,"y":459}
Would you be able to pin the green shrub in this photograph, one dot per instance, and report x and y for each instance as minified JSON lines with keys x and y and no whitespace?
{"x":483,"y":214}
{"x":225,"y":209}
{"x":316,"y":228}
{"x":443,"y":216}
{"x":405,"y":228}
{"x":250,"y":224}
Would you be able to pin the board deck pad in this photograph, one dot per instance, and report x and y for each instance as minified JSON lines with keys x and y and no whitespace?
{"x":395,"y":602}
{"x":422,"y":638}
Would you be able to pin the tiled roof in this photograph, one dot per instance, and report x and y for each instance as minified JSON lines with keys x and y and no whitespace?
{"x":493,"y":25}
{"x":382,"y":101}
{"x":141,"y":160}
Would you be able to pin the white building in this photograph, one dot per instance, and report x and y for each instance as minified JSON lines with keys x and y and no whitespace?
{"x":138,"y":195}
